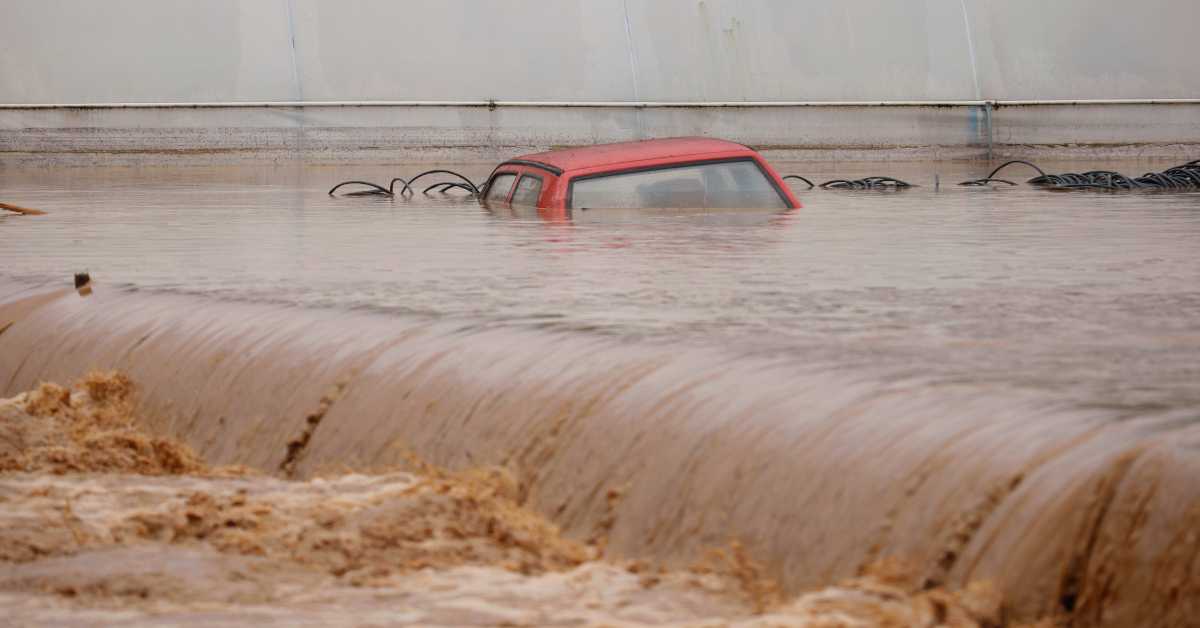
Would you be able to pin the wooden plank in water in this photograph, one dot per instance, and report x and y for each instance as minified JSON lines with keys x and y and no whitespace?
{"x":22,"y":210}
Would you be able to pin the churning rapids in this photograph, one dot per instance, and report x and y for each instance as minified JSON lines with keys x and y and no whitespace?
{"x":970,"y":407}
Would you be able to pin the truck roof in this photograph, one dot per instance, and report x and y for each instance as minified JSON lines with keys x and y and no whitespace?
{"x":604,"y":155}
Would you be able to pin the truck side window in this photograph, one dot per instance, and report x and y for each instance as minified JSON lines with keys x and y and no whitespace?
{"x":498,"y":189}
{"x":529,"y":190}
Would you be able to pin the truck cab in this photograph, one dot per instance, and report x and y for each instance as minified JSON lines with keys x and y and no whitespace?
{"x":693,"y":173}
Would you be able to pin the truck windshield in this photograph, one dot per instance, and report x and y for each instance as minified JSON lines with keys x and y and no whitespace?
{"x":723,"y":185}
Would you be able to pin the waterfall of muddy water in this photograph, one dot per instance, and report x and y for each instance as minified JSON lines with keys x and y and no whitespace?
{"x":992,"y":385}
{"x":108,"y":525}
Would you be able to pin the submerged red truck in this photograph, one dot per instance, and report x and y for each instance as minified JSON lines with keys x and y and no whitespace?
{"x":691,"y":172}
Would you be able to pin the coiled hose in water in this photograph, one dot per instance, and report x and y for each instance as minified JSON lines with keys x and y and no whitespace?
{"x":991,"y":178}
{"x":799,"y":178}
{"x":374,"y":189}
{"x":1182,"y":177}
{"x":868,"y":183}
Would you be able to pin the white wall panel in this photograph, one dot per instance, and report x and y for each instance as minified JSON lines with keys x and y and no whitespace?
{"x":1078,"y":49}
{"x":88,"y":51}
{"x":462,"y":50}
{"x":801,"y":50}
{"x":143,"y":50}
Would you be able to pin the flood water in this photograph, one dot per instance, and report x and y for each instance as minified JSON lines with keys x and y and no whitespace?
{"x":1093,"y":297}
{"x":987,"y":385}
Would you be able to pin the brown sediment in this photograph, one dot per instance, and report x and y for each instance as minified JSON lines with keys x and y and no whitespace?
{"x":111,"y":538}
{"x":86,"y":428}
{"x":762,"y":591}
{"x":415,"y":523}
{"x":884,"y":597}
{"x":296,"y":446}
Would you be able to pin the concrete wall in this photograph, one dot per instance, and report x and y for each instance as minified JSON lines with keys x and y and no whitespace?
{"x":87,"y":51}
{"x":688,"y":51}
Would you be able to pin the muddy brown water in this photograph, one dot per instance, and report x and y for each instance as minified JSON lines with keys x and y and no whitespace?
{"x":994,"y":384}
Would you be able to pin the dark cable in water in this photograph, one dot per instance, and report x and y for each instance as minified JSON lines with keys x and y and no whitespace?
{"x":991,"y":178}
{"x":408,"y":186}
{"x":869,"y":183}
{"x":1182,"y":177}
{"x":796,"y":176}
{"x":377,"y":190}
{"x":390,"y":191}
{"x":448,"y":186}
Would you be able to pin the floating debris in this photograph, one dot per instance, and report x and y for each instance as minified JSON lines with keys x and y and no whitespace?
{"x":22,"y":210}
{"x":83,"y":284}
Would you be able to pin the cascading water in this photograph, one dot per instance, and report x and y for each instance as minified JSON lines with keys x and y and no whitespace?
{"x":818,"y":471}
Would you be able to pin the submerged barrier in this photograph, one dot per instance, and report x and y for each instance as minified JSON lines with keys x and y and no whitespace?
{"x":818,"y":471}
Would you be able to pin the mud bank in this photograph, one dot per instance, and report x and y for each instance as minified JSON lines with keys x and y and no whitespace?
{"x":104,"y":524}
{"x":818,"y":472}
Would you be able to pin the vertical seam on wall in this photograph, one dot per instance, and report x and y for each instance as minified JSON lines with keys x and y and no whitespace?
{"x":971,"y":50}
{"x":295,"y":62}
{"x":633,"y":68}
{"x":987,"y":107}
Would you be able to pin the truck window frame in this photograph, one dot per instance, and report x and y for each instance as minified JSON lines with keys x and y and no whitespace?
{"x":487,"y":195}
{"x":541,"y":182}
{"x":787,"y":204}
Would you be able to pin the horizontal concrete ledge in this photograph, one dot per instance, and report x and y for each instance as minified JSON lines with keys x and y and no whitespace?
{"x":484,"y":131}
{"x":601,"y":104}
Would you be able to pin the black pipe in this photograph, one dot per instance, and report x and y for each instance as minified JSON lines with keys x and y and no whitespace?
{"x":796,"y":176}
{"x":408,"y":186}
{"x":379,"y":189}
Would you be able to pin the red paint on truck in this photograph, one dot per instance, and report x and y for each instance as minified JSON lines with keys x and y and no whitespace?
{"x":546,"y":180}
